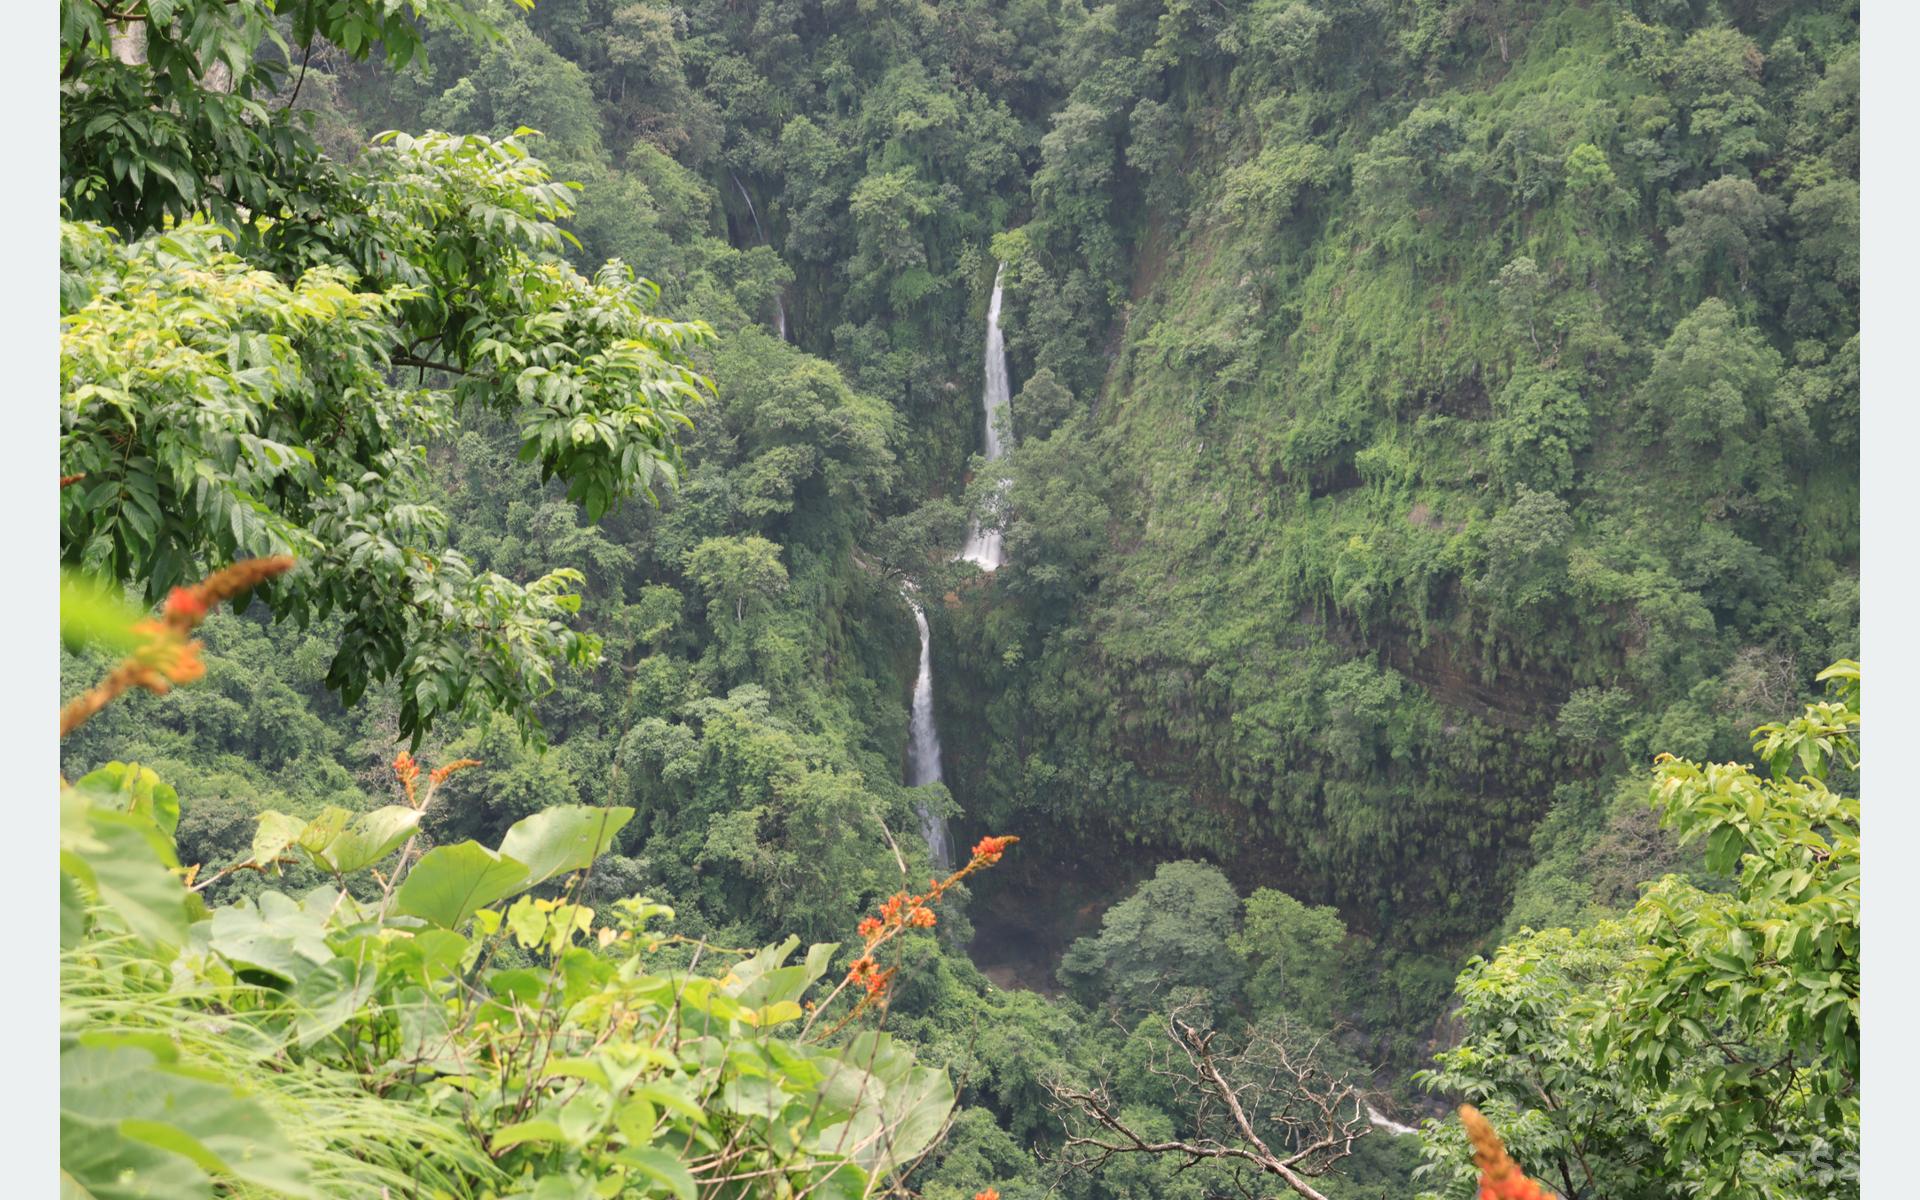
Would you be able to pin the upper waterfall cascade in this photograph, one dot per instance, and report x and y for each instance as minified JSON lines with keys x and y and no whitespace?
{"x":923,"y":743}
{"x":984,"y":546}
{"x":779,"y":304}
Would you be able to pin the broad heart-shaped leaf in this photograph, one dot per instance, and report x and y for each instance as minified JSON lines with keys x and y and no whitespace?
{"x":662,"y":1168}
{"x":886,"y":1092}
{"x":131,"y":1127}
{"x":274,"y":834}
{"x":365,"y":840}
{"x":329,"y":997}
{"x":126,"y":864}
{"x":98,"y":1162}
{"x":566,"y":838}
{"x":450,"y":883}
{"x":133,"y":788}
{"x":272,"y":933}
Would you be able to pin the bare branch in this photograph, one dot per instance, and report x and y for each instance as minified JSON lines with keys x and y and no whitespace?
{"x":1267,"y":1103}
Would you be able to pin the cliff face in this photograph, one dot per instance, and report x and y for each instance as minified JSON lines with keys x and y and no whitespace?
{"x":1474,"y":408}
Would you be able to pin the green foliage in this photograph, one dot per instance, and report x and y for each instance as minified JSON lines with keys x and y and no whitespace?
{"x":737,"y":571}
{"x":1423,"y":412}
{"x":1292,"y":952}
{"x":587,"y":1091}
{"x":218,"y":411}
{"x":1172,"y":933}
{"x":186,"y":123}
{"x":1708,"y":1043}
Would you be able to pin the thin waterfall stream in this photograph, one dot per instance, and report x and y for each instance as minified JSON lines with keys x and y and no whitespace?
{"x":984,"y":546}
{"x":779,"y":305}
{"x":923,"y":743}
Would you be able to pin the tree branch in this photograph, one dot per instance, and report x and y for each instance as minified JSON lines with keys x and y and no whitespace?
{"x":1265,"y":1081}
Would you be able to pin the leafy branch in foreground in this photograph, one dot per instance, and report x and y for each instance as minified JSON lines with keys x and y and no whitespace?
{"x":215,"y":409}
{"x":473,"y":1012}
{"x":1711,"y":1037}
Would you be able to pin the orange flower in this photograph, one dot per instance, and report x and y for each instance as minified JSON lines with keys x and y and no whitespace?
{"x":989,"y":849}
{"x":987,"y":1194}
{"x":407,"y":770}
{"x":898,"y":913}
{"x":187,"y":607}
{"x":1500,"y":1176}
{"x":186,"y":602}
{"x":166,"y":657}
{"x":440,"y":774}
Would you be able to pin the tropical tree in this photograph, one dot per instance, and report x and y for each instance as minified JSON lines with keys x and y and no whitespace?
{"x":258,"y":345}
{"x":738,"y":572}
{"x":1707,"y":1044}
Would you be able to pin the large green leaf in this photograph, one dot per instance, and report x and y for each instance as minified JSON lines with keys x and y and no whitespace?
{"x":364,"y":840}
{"x":94,"y":614}
{"x":329,"y":997}
{"x":133,"y":788}
{"x":126,"y":864}
{"x":897,"y":1106}
{"x":275,"y":933}
{"x":566,"y":838}
{"x":451,"y":883}
{"x":98,"y":1162}
{"x":133,"y":1127}
{"x":275,"y":833}
{"x":664,"y":1169}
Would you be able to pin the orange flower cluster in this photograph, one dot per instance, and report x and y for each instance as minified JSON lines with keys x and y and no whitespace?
{"x":902,"y":911}
{"x":187,"y":607}
{"x":186,"y":602}
{"x":1500,"y":1177}
{"x":987,"y":1194}
{"x":988,"y":850}
{"x":439,"y":775}
{"x":407,"y":771}
{"x":868,"y":974}
{"x":165,"y":656}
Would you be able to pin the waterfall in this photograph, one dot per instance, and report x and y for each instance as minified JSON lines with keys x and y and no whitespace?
{"x":1380,"y":1120}
{"x":923,"y":742}
{"x":983,"y":547}
{"x":779,"y":305}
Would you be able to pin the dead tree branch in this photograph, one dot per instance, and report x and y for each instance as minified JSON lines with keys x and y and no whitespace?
{"x":1268,"y":1102}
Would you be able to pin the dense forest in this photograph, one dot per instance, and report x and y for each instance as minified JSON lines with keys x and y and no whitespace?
{"x":520,"y":461}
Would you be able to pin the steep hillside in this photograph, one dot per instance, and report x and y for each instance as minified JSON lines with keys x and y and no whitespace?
{"x":1479,"y":411}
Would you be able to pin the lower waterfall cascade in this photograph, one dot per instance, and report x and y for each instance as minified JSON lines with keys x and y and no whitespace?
{"x":923,"y":743}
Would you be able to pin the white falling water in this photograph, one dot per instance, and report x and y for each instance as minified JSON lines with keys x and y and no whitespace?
{"x":983,"y":546}
{"x":923,"y":743}
{"x":779,"y":305}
